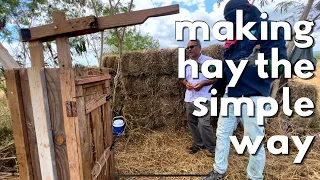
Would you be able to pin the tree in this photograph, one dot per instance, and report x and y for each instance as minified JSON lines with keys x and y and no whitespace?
{"x":16,"y":15}
{"x":132,"y":41}
{"x":124,"y":38}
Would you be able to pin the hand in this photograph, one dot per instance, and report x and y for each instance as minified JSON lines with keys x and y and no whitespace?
{"x":198,"y":86}
{"x":189,"y":86}
{"x":253,"y":56}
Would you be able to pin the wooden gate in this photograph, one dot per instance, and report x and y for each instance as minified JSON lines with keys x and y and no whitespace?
{"x":61,"y":117}
{"x":57,"y":138}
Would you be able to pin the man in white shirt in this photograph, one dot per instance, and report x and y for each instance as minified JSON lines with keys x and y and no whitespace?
{"x":200,"y":127}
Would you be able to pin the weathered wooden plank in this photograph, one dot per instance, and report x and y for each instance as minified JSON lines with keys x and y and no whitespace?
{"x":103,"y":160}
{"x":54,"y":99}
{"x":36,"y":53}
{"x":19,"y":124}
{"x":6,"y":60}
{"x":67,"y":94}
{"x":90,"y":24}
{"x":135,"y":17}
{"x":107,"y":123}
{"x":84,"y":133}
{"x":92,"y":93}
{"x":98,"y":137}
{"x":63,"y":47}
{"x":107,"y":116}
{"x":70,"y":124}
{"x":73,"y":26}
{"x":30,"y":123}
{"x":92,"y":84}
{"x":92,"y":79}
{"x":94,"y":104}
{"x":42,"y":122}
{"x":97,"y":128}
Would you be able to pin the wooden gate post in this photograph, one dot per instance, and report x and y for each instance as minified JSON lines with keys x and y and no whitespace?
{"x":67,"y":79}
{"x":19,"y":126}
{"x":39,"y":102}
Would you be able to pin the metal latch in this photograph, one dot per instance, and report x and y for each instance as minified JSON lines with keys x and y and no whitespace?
{"x":108,"y":97}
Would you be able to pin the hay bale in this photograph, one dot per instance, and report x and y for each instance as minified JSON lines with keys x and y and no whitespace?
{"x":295,"y":124}
{"x":111,"y":61}
{"x":215,"y":51}
{"x":139,"y":86}
{"x":172,"y":112}
{"x":155,"y":112}
{"x":175,"y":60}
{"x":140,"y":112}
{"x":151,"y":87}
{"x":140,"y":63}
{"x":165,"y":62}
{"x":165,"y":85}
{"x":168,"y":85}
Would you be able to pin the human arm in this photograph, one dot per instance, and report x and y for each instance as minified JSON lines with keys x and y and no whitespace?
{"x":187,"y":84}
{"x":198,"y":86}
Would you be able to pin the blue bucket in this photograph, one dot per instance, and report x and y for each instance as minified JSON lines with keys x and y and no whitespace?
{"x":118,"y":125}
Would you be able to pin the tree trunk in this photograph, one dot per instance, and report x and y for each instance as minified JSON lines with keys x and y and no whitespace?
{"x":304,"y":16}
{"x":281,"y":81}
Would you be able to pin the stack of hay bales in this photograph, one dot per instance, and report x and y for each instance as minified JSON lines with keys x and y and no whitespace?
{"x":295,"y":125}
{"x":153,"y":93}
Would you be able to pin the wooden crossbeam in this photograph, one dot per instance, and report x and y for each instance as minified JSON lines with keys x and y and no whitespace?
{"x":91,"y":24}
{"x":92,"y":79}
{"x":94,"y":104}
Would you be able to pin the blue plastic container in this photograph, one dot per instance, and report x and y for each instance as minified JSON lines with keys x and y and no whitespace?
{"x":118,"y":125}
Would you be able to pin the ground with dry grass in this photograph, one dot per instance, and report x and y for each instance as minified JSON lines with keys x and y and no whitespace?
{"x":165,"y":152}
{"x":8,"y":161}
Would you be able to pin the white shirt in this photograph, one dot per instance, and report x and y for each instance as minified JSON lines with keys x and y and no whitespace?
{"x":192,"y":95}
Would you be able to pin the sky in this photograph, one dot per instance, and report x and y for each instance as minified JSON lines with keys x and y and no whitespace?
{"x":163,"y":28}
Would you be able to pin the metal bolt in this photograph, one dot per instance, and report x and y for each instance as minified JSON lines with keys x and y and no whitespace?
{"x":55,"y":27}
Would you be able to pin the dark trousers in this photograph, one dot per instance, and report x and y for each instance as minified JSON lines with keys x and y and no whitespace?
{"x":201,"y":127}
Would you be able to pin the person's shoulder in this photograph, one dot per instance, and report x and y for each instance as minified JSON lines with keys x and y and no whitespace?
{"x":205,"y":57}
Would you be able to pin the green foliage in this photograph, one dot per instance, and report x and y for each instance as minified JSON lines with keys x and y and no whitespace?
{"x":24,"y":14}
{"x":18,"y":14}
{"x":132,"y":41}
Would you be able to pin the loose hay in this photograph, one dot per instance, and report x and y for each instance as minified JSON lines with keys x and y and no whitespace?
{"x":165,"y":152}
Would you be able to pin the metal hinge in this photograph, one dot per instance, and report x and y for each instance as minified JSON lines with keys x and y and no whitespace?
{"x":71,"y":108}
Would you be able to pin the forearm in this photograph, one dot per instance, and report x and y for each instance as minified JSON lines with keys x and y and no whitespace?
{"x":208,"y":82}
{"x":184,"y":82}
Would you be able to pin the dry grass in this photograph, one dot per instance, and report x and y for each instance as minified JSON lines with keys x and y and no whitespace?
{"x":7,"y":150}
{"x":165,"y":152}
